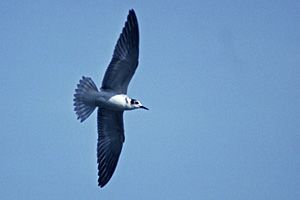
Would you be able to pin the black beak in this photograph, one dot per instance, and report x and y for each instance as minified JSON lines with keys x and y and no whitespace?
{"x":144,"y":107}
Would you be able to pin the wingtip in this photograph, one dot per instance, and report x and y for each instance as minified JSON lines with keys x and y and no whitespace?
{"x":131,"y":12}
{"x":101,"y":184}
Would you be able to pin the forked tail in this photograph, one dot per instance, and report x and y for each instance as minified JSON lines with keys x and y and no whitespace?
{"x":83,"y":98}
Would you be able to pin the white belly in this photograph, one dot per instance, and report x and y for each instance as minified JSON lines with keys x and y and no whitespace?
{"x":117,"y":102}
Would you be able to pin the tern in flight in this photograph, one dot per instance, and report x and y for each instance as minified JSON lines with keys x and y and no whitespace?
{"x":111,"y":99}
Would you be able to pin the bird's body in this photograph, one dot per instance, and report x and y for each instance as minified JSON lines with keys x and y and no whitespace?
{"x":111,"y":100}
{"x":119,"y":102}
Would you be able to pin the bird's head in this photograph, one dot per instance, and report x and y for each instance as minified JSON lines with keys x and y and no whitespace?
{"x":135,"y":104}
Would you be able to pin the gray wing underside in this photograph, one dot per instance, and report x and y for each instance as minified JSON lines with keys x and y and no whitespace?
{"x":125,"y":58}
{"x":110,"y":142}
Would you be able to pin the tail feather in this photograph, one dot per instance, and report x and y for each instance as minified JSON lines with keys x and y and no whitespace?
{"x":83,"y":107}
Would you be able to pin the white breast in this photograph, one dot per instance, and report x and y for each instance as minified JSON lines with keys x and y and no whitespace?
{"x":118,"y":102}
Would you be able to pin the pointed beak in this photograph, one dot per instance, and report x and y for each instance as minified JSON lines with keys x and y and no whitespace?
{"x":144,"y":107}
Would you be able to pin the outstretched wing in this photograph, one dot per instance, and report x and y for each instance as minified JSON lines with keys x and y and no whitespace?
{"x":125,"y":58}
{"x":110,"y":142}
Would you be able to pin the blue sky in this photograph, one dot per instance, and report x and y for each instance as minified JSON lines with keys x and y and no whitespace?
{"x":221,"y":79}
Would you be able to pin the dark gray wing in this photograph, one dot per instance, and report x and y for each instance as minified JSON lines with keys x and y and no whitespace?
{"x":110,"y":142}
{"x":125,"y":58}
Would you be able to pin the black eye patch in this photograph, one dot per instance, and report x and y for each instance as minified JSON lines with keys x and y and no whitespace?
{"x":133,"y":101}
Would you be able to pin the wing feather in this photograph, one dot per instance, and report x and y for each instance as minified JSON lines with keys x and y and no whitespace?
{"x":125,"y":58}
{"x":110,"y":142}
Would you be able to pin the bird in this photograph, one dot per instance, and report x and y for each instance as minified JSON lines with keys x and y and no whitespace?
{"x":111,"y":99}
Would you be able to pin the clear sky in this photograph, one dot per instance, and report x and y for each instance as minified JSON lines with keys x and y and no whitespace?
{"x":221,"y":79}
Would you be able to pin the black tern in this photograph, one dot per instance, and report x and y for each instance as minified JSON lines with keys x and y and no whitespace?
{"x":111,"y":99}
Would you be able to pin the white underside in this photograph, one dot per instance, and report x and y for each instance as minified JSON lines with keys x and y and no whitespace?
{"x":118,"y":102}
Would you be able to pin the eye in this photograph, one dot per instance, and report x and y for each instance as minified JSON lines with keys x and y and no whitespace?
{"x":132,"y":101}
